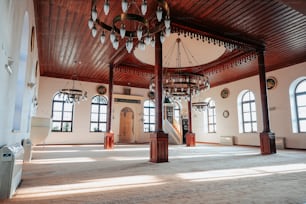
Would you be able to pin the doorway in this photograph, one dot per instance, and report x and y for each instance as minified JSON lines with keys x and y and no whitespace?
{"x":126,"y":131}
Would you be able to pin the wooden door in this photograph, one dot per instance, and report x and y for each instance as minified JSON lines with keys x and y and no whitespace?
{"x":126,"y":132}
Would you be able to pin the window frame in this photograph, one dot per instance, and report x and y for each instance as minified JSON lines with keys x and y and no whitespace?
{"x":99,"y":121}
{"x":298,"y":118}
{"x":211,"y":115}
{"x":251,"y":121}
{"x":149,"y":116}
{"x":63,"y":110}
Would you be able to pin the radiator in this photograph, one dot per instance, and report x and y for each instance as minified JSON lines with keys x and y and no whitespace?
{"x":11,"y":161}
{"x":227,"y":140}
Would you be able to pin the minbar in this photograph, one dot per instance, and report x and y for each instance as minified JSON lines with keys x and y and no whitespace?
{"x":159,"y":147}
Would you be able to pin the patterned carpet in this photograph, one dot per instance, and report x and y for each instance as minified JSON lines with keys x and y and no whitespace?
{"x":202,"y":174}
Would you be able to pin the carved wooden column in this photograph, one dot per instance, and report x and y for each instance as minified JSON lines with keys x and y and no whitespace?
{"x":267,"y":138}
{"x":158,"y":139}
{"x":190,"y":136}
{"x":109,"y":135}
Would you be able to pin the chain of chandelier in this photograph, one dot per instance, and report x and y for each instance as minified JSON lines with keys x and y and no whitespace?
{"x":144,"y":32}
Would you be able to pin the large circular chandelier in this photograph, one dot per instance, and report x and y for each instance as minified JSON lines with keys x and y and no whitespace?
{"x":133,"y":24}
{"x":73,"y":95}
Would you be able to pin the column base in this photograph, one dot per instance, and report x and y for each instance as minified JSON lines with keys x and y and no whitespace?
{"x":158,"y":147}
{"x":109,"y":140}
{"x":267,"y":143}
{"x":190,"y":139}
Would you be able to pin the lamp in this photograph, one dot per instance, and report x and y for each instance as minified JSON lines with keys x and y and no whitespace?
{"x":178,"y":85}
{"x":132,"y":25}
{"x":73,"y":95}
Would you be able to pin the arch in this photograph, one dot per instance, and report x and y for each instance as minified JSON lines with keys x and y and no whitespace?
{"x":126,"y":130}
{"x":297,"y":96}
{"x":21,"y":72}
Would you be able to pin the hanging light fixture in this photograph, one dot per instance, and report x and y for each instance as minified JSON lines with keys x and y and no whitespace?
{"x":200,"y":106}
{"x":179,"y":85}
{"x":73,"y":94}
{"x":131,"y":25}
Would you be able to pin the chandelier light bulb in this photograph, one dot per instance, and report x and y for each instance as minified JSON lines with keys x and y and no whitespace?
{"x":124,"y":6}
{"x":94,"y":14}
{"x":147,"y":39}
{"x":168,"y":31}
{"x":153,"y":42}
{"x":102,"y":38}
{"x":94,"y":31}
{"x":116,"y":44}
{"x":112,"y":36}
{"x":139,"y":33}
{"x":122,"y":31}
{"x":129,"y":45}
{"x":159,"y":14}
{"x":106,"y":7}
{"x":144,"y":7}
{"x":90,"y":23}
{"x":167,"y":22}
{"x":162,"y":37}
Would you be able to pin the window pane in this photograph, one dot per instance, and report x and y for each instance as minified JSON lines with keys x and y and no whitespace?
{"x":152,"y":127}
{"x":152,"y":119}
{"x":67,"y":116}
{"x":68,"y":106}
{"x":246,"y":107}
{"x":146,"y":128}
{"x":301,"y":87}
{"x":57,"y":116}
{"x":94,"y":108}
{"x":254,"y":126}
{"x":253,"y":106}
{"x":102,"y":127}
{"x":246,"y":117}
{"x":146,"y":111}
{"x":146,"y":119}
{"x":67,"y":127}
{"x":152,"y":111}
{"x":103,"y":109}
{"x":94,"y":127}
{"x":302,"y":112}
{"x":247,"y":127}
{"x":56,"y":126}
{"x":94,"y":117}
{"x":254,"y":118}
{"x":102,"y":117}
{"x":301,"y":100}
{"x":57,"y":106}
{"x":302,"y":124}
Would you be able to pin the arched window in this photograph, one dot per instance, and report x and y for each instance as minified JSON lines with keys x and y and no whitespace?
{"x":211,"y":117}
{"x":300,"y":105}
{"x":62,"y":114}
{"x":149,"y":116}
{"x":248,"y":110}
{"x":98,"y":116}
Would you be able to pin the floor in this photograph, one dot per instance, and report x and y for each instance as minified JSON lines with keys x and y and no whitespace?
{"x":201,"y":174}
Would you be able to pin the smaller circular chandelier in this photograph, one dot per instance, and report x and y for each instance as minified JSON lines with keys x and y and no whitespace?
{"x":182,"y":86}
{"x":132,"y":24}
{"x":73,"y":95}
{"x":200,"y":106}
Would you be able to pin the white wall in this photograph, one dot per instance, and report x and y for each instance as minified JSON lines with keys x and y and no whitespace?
{"x":278,"y":100}
{"x":12,"y":14}
{"x":81,"y":125}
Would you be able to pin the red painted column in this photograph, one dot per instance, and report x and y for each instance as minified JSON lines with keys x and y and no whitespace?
{"x":190,"y":136}
{"x":109,"y":135}
{"x":267,"y":138}
{"x":158,"y":139}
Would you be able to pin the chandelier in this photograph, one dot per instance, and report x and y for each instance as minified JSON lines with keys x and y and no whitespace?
{"x":132,"y":25}
{"x":200,"y":106}
{"x":73,"y":95}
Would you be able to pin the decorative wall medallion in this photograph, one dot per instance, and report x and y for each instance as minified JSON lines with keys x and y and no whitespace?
{"x":225,"y":114}
{"x":151,"y":95}
{"x":271,"y":82}
{"x":225,"y":93}
{"x":101,"y":89}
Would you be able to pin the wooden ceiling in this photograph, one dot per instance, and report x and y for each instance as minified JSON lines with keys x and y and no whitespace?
{"x":66,"y":46}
